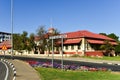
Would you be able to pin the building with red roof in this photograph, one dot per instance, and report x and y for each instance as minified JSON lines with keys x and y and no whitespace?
{"x":85,"y":43}
{"x":82,"y":42}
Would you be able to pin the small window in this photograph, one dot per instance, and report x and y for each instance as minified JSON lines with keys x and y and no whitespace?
{"x":72,"y":47}
{"x":57,"y":48}
{"x":78,"y":46}
{"x":66,"y":47}
{"x":87,"y":46}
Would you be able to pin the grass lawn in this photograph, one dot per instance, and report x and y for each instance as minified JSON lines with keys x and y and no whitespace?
{"x":56,"y":74}
{"x":116,"y":58}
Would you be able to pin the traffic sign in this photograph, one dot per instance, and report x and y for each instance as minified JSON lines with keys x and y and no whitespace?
{"x":4,"y":47}
{"x":58,"y":36}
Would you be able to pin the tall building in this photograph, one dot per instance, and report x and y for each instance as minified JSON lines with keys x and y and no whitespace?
{"x":4,"y":36}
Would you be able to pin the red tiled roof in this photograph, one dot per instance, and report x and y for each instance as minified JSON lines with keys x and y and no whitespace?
{"x":88,"y":34}
{"x":99,"y":42}
{"x":7,"y":43}
{"x":72,"y":41}
{"x":71,"y":36}
{"x":95,"y":41}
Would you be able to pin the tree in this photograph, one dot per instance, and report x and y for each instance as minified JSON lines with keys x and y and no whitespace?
{"x":45,"y":42}
{"x":24,"y":39}
{"x":103,"y":34}
{"x":113,"y":36}
{"x":17,"y":42}
{"x":31,"y":42}
{"x":117,"y":49}
{"x":20,"y":42}
{"x":41,"y":33}
{"x":108,"y":48}
{"x":49,"y":41}
{"x":116,"y":38}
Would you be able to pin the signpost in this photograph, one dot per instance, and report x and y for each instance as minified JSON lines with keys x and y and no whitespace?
{"x":57,"y":37}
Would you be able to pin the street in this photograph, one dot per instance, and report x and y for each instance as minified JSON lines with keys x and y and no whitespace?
{"x":3,"y":71}
{"x":71,"y":61}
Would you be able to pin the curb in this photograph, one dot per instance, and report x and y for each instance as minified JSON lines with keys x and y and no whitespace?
{"x":101,"y":62}
{"x":110,"y":63}
{"x":12,"y":66}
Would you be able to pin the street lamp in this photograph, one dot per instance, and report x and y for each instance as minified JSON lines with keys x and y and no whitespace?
{"x":12,"y":29}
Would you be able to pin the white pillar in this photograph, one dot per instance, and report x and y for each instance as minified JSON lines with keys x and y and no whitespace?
{"x":83,"y":46}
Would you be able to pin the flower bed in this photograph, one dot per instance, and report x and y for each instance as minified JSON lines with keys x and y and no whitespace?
{"x":65,"y":67}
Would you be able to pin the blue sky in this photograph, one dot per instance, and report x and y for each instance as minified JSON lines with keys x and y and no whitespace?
{"x":67,"y":15}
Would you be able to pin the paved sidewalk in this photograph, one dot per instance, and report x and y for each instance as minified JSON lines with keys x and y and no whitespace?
{"x":24,"y":71}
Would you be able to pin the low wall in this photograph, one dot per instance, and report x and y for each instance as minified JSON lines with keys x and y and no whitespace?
{"x":94,"y":53}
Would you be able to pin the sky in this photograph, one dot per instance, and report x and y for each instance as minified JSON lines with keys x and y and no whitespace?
{"x":98,"y":16}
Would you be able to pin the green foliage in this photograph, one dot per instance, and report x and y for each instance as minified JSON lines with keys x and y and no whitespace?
{"x":116,"y":38}
{"x":107,"y":47}
{"x":113,"y":36}
{"x":56,"y":74}
{"x":45,"y":42}
{"x":103,"y":34}
{"x":117,"y":49}
{"x":17,"y":42}
{"x":31,"y":44}
{"x":22,"y":42}
{"x":41,"y":33}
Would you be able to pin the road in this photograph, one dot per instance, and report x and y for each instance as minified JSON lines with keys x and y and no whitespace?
{"x":3,"y":71}
{"x":80,"y":63}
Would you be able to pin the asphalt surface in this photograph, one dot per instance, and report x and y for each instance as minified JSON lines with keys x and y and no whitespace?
{"x":114,"y":65}
{"x":2,"y":71}
{"x":81,"y":63}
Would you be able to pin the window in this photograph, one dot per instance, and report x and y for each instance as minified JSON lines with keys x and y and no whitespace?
{"x":66,"y":47}
{"x":72,"y":47}
{"x":57,"y":48}
{"x":87,"y":46}
{"x":78,"y":46}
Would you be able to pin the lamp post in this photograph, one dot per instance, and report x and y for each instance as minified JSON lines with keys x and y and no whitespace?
{"x":11,"y":29}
